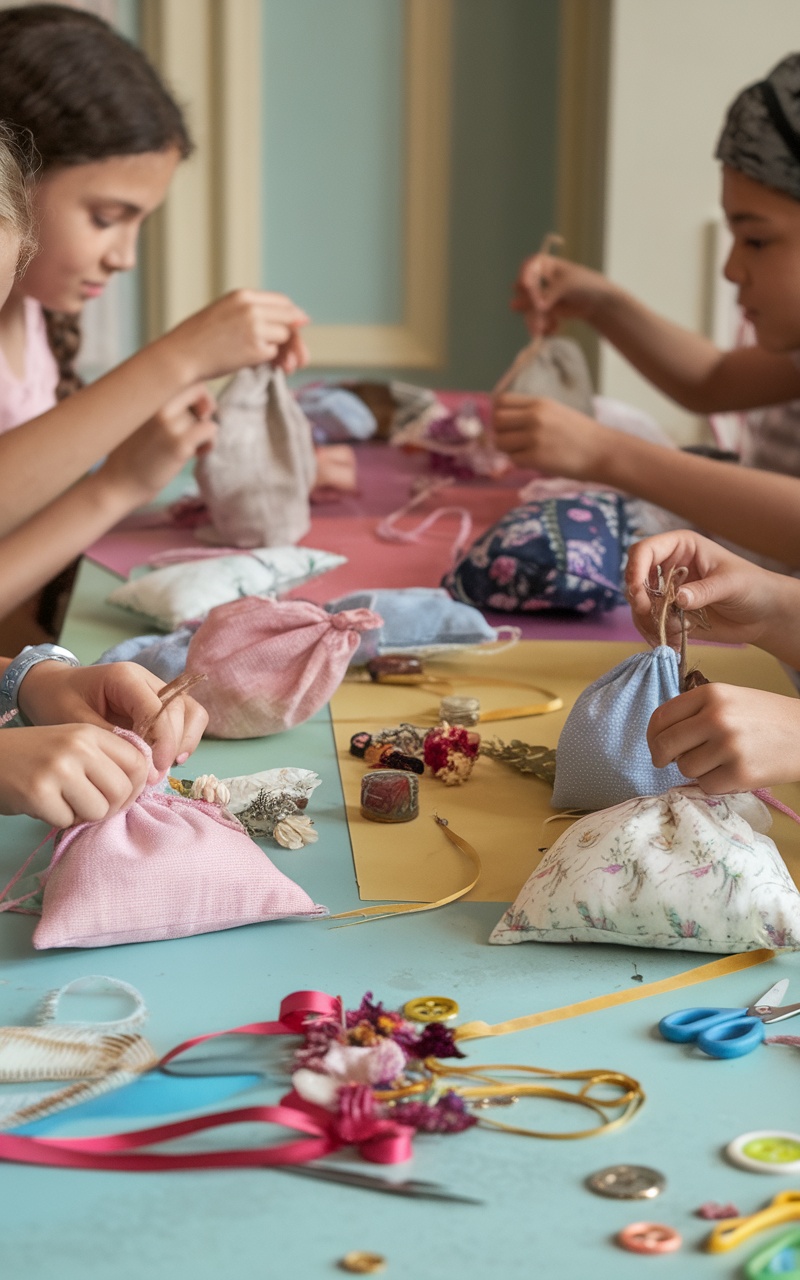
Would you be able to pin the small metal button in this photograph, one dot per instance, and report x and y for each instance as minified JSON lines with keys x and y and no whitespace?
{"x":627,"y":1182}
{"x":362,"y":1262}
{"x":431,"y":1009}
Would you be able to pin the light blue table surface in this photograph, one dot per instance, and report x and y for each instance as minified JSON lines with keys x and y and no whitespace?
{"x":538,"y":1219}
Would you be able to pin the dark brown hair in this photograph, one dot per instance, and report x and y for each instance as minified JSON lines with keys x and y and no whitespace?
{"x":82,"y":93}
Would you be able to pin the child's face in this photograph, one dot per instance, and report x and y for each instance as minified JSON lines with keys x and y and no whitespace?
{"x":9,"y":256}
{"x":764,"y":262}
{"x":88,"y":219}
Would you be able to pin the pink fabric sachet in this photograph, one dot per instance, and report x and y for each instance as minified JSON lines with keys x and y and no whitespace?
{"x":167,"y":867}
{"x":271,"y":664}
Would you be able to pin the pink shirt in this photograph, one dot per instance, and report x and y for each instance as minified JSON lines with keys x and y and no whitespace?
{"x":22,"y":400}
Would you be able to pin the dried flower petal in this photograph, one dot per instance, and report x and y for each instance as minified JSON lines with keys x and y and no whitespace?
{"x":210,"y":789}
{"x":294,"y":831}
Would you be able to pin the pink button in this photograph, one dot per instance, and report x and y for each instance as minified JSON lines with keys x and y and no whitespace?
{"x":649,"y":1237}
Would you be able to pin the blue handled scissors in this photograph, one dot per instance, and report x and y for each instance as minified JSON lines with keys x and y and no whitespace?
{"x":728,"y":1033}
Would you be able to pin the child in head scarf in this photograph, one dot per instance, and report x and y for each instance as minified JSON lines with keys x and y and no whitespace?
{"x":760,"y":152}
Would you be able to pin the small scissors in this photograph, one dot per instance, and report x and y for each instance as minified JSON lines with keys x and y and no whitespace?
{"x":728,"y":1033}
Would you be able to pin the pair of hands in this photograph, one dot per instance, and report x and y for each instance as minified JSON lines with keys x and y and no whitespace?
{"x":541,"y":434}
{"x":243,"y":328}
{"x":726,"y":737}
{"x":71,"y":767}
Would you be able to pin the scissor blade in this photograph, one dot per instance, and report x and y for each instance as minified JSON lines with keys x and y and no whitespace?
{"x":368,"y":1182}
{"x":770,"y":998}
{"x":778,"y":1015}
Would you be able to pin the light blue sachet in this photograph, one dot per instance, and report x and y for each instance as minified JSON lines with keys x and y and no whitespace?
{"x":415,"y":620}
{"x":336,"y":415}
{"x":165,"y":656}
{"x":602,"y":756}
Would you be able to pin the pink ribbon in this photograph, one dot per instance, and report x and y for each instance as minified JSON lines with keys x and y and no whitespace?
{"x":356,"y":1123}
{"x":379,"y":1141}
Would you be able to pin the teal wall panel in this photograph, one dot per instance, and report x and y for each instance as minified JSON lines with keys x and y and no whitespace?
{"x":333,"y":162}
{"x":503,"y":175}
{"x":333,"y":185}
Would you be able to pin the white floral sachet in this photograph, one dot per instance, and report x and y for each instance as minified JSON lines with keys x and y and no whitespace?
{"x":682,"y":870}
{"x":179,"y":592}
{"x":245,"y":788}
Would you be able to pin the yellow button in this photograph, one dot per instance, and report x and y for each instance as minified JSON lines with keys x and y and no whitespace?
{"x":431,"y":1009}
{"x":362,"y":1263}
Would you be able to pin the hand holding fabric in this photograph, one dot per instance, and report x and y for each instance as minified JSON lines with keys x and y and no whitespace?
{"x":245,"y":328}
{"x":120,"y":693}
{"x":144,"y":463}
{"x":68,"y":773}
{"x":728,"y":738}
{"x":551,"y":437}
{"x":741,"y":602}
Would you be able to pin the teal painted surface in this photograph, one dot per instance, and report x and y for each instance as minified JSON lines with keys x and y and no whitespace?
{"x":538,"y":1219}
{"x":333,"y":163}
{"x":503,"y":168}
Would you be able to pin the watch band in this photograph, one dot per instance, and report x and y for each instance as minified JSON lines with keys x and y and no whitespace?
{"x":17,"y":670}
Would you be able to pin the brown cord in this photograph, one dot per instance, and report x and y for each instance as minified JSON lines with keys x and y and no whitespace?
{"x":182,"y":684}
{"x":664,"y":606}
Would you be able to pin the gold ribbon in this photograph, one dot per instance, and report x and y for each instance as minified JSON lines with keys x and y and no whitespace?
{"x":447,"y":684}
{"x":630,"y":1099}
{"x":381,"y":912}
{"x":688,"y":978}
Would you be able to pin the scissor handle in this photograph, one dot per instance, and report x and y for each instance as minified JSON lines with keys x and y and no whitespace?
{"x":686,"y":1025}
{"x":732,"y":1038}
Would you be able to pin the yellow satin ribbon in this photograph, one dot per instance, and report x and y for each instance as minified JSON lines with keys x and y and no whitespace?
{"x":784,"y":1207}
{"x":381,"y":912}
{"x":447,"y":684}
{"x":688,"y":978}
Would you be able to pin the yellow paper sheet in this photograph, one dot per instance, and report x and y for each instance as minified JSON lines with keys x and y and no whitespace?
{"x":500,"y":811}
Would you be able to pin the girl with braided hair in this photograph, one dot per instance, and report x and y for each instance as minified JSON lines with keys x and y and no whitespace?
{"x":67,"y":765}
{"x":109,"y":137}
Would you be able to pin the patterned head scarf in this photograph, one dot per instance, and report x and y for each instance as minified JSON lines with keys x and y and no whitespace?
{"x":761,"y":135}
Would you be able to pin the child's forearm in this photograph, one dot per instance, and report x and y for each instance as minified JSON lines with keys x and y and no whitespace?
{"x":759,"y":510}
{"x":688,"y":367}
{"x":46,"y":543}
{"x":43,"y":457}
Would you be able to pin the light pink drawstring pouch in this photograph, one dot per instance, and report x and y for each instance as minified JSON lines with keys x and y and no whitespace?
{"x":271,"y":664}
{"x":167,"y":867}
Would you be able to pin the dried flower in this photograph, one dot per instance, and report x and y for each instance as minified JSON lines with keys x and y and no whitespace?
{"x":448,"y":1115}
{"x":263,"y":814}
{"x":437,"y":1041}
{"x":293,"y":832}
{"x":349,"y":1066}
{"x":450,"y":752}
{"x":540,"y":761}
{"x":210,"y":789}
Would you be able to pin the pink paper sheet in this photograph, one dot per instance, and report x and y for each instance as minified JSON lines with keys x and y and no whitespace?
{"x":347,"y":526}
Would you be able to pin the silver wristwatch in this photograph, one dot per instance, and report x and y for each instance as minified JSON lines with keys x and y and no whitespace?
{"x":17,"y":670}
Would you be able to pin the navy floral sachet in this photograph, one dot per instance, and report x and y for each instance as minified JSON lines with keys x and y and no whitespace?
{"x":558,"y":553}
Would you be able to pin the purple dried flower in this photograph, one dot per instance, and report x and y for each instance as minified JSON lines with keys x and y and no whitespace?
{"x":448,"y":1115}
{"x":437,"y":1041}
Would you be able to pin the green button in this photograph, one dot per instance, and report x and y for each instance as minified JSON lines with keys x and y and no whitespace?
{"x":772,"y":1150}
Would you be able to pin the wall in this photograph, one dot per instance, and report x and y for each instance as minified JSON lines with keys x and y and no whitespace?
{"x":333,"y":169}
{"x":675,"y":67}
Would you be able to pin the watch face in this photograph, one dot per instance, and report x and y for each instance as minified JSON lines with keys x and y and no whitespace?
{"x":627,"y":1182}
